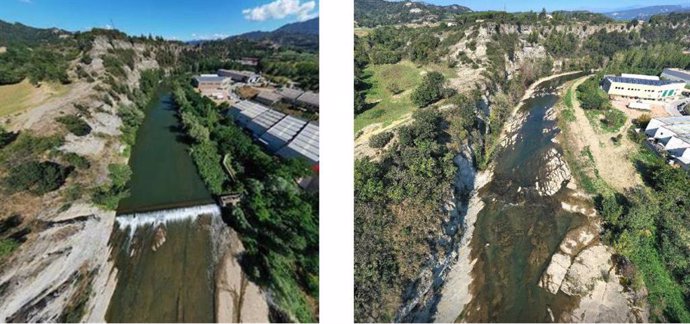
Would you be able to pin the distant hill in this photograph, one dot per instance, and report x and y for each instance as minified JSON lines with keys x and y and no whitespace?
{"x":645,"y":13}
{"x":303,"y":34}
{"x":371,"y":13}
{"x":16,"y":33}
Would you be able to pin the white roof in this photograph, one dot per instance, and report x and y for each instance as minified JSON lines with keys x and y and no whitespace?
{"x":250,"y":109}
{"x":640,"y":76}
{"x":305,"y":144}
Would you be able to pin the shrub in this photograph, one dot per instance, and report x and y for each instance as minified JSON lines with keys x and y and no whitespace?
{"x":77,"y":160}
{"x":6,"y":137}
{"x":36,"y":177}
{"x":380,"y":140}
{"x":75,"y":125}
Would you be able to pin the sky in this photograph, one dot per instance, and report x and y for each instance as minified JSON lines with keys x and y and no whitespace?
{"x":173,"y":19}
{"x":537,"y":5}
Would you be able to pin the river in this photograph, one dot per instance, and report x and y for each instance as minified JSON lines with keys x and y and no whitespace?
{"x":519,"y":227}
{"x":163,"y":239}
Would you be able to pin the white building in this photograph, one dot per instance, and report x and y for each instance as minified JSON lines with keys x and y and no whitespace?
{"x":635,"y":86}
{"x":673,"y":134}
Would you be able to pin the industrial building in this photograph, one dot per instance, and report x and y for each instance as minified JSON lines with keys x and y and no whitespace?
{"x":645,"y":87}
{"x":240,"y":76}
{"x":672,"y":135}
{"x":268,"y":97}
{"x":284,"y":135}
{"x":290,"y":95}
{"x":281,"y":133}
{"x":676,"y":75}
{"x":305,"y":144}
{"x":309,"y":100}
{"x":210,"y":82}
{"x":244,"y":111}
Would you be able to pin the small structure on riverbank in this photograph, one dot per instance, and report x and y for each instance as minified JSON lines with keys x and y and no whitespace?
{"x":672,"y":135}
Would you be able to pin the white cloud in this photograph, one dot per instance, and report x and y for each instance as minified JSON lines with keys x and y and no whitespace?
{"x":280,"y":9}
{"x":108,"y":26}
{"x":25,"y":1}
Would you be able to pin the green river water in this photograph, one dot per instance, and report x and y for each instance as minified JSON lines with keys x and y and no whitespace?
{"x":173,"y":281}
{"x":518,"y":230}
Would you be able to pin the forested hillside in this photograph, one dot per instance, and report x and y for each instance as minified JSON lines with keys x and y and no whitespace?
{"x":428,"y":93}
{"x":301,"y":35}
{"x":370,"y":13}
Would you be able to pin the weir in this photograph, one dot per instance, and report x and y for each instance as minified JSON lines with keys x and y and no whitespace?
{"x":154,"y":218}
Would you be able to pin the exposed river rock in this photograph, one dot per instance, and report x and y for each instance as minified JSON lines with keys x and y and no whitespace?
{"x":555,"y":174}
{"x":535,"y":254}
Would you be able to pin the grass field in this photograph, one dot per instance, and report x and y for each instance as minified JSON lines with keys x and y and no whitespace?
{"x":387,"y":106}
{"x":15,"y":98}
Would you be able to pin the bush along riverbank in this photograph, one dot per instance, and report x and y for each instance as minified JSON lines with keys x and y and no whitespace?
{"x":277,"y":221}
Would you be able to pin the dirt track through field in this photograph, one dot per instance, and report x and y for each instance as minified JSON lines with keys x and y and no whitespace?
{"x":611,"y":160}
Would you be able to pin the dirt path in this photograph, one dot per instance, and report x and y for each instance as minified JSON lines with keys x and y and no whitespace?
{"x":612,"y":161}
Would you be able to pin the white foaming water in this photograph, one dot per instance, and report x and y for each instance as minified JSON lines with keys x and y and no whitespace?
{"x":137,"y":220}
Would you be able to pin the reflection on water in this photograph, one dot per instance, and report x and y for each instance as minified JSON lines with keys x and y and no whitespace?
{"x":519,"y":229}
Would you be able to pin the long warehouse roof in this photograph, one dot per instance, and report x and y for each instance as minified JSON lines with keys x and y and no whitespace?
{"x":306,"y":144}
{"x":641,"y":81}
{"x":264,"y":121}
{"x":286,"y":128}
{"x":250,"y":109}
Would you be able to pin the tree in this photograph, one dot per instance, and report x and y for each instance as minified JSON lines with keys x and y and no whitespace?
{"x":36,"y":177}
{"x":429,"y":91}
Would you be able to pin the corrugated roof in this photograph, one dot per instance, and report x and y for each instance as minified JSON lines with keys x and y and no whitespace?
{"x":249,"y":109}
{"x":685,"y":75}
{"x":282,"y":132}
{"x":309,"y":98}
{"x":269,"y":95}
{"x":290,"y":93}
{"x":264,"y":121}
{"x":642,"y":81}
{"x":305,"y":144}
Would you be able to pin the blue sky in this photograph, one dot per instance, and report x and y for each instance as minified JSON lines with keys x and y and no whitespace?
{"x":172,"y":19}
{"x":537,"y":5}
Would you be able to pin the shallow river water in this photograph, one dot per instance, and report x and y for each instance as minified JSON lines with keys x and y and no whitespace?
{"x":519,"y":229}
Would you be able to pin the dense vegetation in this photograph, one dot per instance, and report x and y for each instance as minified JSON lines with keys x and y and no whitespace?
{"x":277,"y":221}
{"x":649,"y":226}
{"x":371,"y":13}
{"x":36,"y":177}
{"x":387,"y":224}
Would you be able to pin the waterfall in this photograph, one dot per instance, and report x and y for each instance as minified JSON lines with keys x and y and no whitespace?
{"x":138,"y":220}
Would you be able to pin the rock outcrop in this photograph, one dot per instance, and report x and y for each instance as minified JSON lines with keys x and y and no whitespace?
{"x":555,"y":174}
